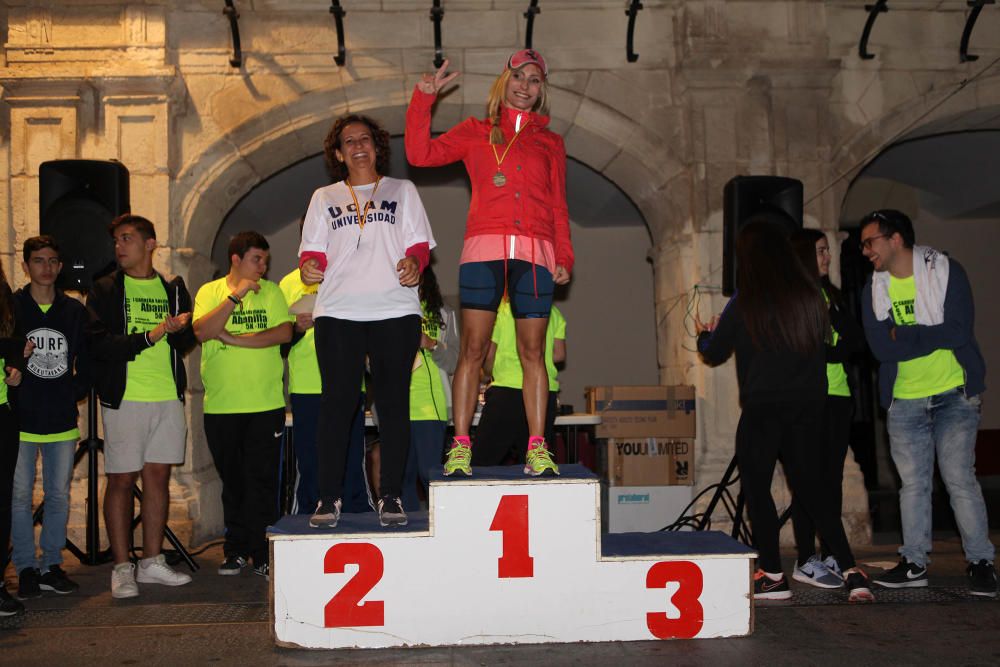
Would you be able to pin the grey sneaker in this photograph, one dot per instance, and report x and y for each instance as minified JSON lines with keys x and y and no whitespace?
{"x":815,"y":573}
{"x":327,"y":514}
{"x":390,"y":512}
{"x":123,"y":581}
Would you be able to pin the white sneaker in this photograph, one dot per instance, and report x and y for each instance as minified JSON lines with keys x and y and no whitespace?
{"x":156,"y":571}
{"x":123,"y":581}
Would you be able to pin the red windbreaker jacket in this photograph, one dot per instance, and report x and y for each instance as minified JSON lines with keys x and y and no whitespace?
{"x":533,"y":201}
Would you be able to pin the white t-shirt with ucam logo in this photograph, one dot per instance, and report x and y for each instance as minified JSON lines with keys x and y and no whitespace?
{"x":361,"y":282}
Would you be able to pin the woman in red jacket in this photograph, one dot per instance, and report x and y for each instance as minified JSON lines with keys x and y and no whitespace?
{"x":517,"y":240}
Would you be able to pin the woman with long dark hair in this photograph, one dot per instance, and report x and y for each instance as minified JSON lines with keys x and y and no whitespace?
{"x":517,"y":240}
{"x":822,"y":570}
{"x":777,"y":326}
{"x":429,"y":388}
{"x":366,"y":239}
{"x":9,"y":445}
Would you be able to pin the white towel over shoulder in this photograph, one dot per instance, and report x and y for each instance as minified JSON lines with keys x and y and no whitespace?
{"x":930,"y":276}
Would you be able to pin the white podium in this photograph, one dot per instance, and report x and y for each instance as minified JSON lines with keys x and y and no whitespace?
{"x":501,"y":558}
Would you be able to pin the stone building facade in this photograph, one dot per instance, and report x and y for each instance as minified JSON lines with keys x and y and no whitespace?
{"x":721,"y":88}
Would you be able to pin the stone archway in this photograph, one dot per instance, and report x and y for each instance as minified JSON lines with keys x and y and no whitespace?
{"x":858,"y":150}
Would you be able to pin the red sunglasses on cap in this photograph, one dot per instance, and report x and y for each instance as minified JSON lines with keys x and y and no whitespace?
{"x":527,"y":57}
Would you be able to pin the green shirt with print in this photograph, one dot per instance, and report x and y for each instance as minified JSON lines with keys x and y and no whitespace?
{"x":930,"y":374}
{"x":149,"y":377}
{"x":507,"y":364}
{"x":427,"y":398}
{"x":240,"y":379}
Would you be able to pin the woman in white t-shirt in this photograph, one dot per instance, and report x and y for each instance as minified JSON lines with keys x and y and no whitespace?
{"x":369,"y":267}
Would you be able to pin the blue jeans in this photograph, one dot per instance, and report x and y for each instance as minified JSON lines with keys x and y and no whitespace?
{"x":57,"y":473}
{"x":945,"y":424}
{"x":426,"y":452}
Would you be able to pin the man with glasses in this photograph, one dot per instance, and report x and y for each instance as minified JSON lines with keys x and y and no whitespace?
{"x":918,"y":315}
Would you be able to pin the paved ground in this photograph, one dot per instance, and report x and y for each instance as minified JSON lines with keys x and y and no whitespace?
{"x":223,"y":620}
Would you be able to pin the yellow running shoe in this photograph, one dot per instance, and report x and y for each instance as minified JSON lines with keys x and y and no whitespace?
{"x":539,"y":462}
{"x":459,"y":459}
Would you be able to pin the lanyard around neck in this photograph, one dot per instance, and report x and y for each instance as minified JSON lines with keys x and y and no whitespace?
{"x":363,"y":213}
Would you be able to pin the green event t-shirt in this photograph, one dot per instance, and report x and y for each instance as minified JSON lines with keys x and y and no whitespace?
{"x":149,"y":377}
{"x":240,"y":379}
{"x":507,"y":364}
{"x":836,"y":375}
{"x":427,"y":399}
{"x":3,"y":385}
{"x":303,"y":369}
{"x":930,"y":374}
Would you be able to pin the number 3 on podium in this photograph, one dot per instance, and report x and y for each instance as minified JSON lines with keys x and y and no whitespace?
{"x":686,"y":599}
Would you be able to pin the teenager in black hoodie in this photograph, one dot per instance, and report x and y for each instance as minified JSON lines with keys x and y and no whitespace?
{"x":777,"y":325}
{"x":56,"y":377}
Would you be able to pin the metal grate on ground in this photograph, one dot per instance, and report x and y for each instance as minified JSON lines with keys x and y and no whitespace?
{"x":814,"y":597}
{"x":191,"y":614}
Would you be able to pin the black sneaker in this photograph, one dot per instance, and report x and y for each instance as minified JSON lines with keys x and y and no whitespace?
{"x":327,"y":514}
{"x":765,"y":588}
{"x":232,"y":565}
{"x":263,"y":570}
{"x":55,"y":580}
{"x":904,"y":575}
{"x":8,"y":605}
{"x":982,"y":578}
{"x":390,"y":512}
{"x":27,"y":584}
{"x":858,"y":587}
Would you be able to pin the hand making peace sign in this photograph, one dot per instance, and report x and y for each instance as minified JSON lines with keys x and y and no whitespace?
{"x":432,"y":84}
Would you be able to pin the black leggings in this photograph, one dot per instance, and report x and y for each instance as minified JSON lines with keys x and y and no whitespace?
{"x":830,"y":458}
{"x":9,"y":446}
{"x":789,"y":431}
{"x":341,"y":347}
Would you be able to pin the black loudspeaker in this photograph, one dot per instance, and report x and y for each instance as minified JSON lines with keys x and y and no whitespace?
{"x":77,"y":200}
{"x":746,"y":196}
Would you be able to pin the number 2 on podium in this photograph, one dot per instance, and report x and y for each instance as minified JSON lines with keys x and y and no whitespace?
{"x":511,"y":521}
{"x":345,"y":609}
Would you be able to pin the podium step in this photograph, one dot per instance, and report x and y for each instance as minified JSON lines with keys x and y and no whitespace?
{"x":501,"y":558}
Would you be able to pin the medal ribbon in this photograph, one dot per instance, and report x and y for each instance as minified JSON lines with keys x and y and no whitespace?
{"x":501,"y":158}
{"x":362,"y":216}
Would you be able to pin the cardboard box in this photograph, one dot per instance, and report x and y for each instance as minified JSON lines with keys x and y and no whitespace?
{"x":642,"y":509}
{"x":649,"y":461}
{"x":657,"y":411}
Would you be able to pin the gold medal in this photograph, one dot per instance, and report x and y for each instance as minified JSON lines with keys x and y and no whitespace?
{"x":499,"y":179}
